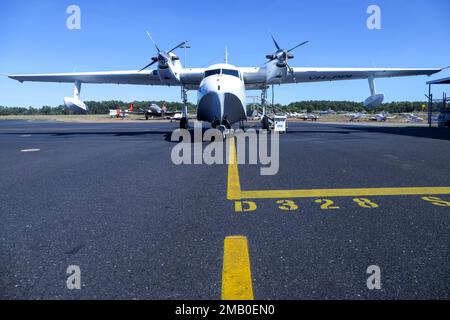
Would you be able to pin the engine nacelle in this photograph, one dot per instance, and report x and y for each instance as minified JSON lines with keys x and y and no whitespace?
{"x":374,"y":101}
{"x":275,"y":73}
{"x":76,"y":105}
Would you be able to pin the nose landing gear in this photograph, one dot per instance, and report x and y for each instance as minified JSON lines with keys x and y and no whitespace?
{"x":225,"y":131}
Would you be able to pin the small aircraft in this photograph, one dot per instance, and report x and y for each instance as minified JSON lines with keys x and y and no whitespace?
{"x":329,"y":111}
{"x":309,"y":116}
{"x":120,"y":113}
{"x":295,"y":114}
{"x":153,"y":110}
{"x":156,"y":111}
{"x":411,"y":117}
{"x":382,"y":117}
{"x":176,"y":117}
{"x":356,"y":116}
{"x":221,"y":88}
{"x":117,"y":113}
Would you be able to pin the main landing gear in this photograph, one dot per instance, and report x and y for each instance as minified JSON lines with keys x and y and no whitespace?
{"x":184,"y":121}
{"x":265,"y":120}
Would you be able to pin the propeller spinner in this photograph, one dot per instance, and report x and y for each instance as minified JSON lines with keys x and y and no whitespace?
{"x":163,"y":57}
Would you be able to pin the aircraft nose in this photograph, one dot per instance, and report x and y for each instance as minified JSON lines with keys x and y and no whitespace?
{"x":210,"y":108}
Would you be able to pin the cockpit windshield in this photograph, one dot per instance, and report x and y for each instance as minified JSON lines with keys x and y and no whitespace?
{"x":234,"y":73}
{"x":211,"y":72}
{"x":230,"y":72}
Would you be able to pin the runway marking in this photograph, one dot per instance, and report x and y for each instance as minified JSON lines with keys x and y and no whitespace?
{"x":234,"y":191}
{"x":25,"y":135}
{"x":30,"y":150}
{"x":245,"y":206}
{"x":437,"y":201}
{"x":326,"y":204}
{"x":236,"y":275}
{"x":234,"y":184}
{"x":355,"y":192}
{"x":287,"y":205}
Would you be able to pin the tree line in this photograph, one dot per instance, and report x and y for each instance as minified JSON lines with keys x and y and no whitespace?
{"x":103,"y":107}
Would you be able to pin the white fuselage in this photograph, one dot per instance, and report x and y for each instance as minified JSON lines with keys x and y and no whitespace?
{"x":221,"y":96}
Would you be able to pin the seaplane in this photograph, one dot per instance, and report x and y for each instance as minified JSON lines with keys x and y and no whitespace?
{"x":221,"y":88}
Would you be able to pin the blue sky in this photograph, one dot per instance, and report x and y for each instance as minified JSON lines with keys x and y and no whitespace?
{"x":34,"y":39}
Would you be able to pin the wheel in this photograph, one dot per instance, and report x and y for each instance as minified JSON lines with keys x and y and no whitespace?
{"x":146,"y":117}
{"x":223,"y":130}
{"x":265,"y":123}
{"x":242,"y":126}
{"x":184,"y":124}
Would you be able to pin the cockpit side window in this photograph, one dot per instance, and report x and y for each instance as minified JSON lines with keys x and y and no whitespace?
{"x":233,"y":73}
{"x":211,"y":72}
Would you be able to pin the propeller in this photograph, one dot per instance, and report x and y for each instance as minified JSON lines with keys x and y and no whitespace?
{"x":283,"y":55}
{"x":163,"y":57}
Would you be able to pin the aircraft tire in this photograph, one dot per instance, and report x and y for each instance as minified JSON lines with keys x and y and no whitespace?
{"x":184,"y":123}
{"x":265,"y":123}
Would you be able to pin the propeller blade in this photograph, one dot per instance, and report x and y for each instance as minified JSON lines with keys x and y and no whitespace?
{"x":299,"y":45}
{"x":180,"y":45}
{"x":150,"y":36}
{"x":150,"y":64}
{"x":275,"y":42}
{"x":270,"y":60}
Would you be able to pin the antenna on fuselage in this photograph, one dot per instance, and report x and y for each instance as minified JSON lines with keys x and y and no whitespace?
{"x":226,"y":55}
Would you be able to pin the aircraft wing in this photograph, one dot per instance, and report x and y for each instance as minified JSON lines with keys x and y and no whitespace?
{"x":190,"y":77}
{"x":146,"y":77}
{"x":255,"y":77}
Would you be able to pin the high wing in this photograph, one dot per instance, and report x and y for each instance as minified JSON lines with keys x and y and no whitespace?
{"x":190,"y":77}
{"x":146,"y":77}
{"x":255,"y":78}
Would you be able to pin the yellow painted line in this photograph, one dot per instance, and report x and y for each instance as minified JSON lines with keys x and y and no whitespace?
{"x":234,"y":191}
{"x":236,"y":275}
{"x":355,"y":192}
{"x":234,"y":185}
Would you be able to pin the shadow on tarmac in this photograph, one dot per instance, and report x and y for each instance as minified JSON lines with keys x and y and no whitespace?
{"x":420,"y":132}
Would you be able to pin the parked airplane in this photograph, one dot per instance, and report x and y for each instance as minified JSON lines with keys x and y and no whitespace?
{"x":381,"y":117}
{"x":156,"y":111}
{"x":411,"y":117}
{"x":222,"y":87}
{"x":176,"y":117}
{"x":356,"y":116}
{"x":309,"y":116}
{"x":119,"y":113}
{"x":329,"y":111}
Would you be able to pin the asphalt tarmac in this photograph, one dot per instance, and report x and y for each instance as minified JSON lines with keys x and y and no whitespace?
{"x":108,"y":199}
